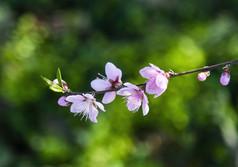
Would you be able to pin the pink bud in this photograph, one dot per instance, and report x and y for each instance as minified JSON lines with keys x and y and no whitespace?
{"x":167,"y":75}
{"x":225,"y":77}
{"x":63,"y":82}
{"x":202,"y":76}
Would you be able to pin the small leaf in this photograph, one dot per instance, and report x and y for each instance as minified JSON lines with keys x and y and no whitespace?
{"x":48,"y":82}
{"x":52,"y":85}
{"x":59,"y":77}
{"x":56,"y":88}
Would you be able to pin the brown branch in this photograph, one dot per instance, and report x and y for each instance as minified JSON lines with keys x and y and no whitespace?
{"x":171,"y":73}
{"x":207,"y":68}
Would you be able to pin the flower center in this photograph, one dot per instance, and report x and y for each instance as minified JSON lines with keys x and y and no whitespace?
{"x":116,"y":83}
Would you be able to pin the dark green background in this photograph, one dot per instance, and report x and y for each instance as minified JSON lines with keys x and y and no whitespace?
{"x":193,"y":124}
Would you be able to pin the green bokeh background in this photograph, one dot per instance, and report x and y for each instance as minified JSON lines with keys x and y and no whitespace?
{"x":193,"y":124}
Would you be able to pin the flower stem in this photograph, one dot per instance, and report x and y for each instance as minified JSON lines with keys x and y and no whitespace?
{"x":207,"y":68}
{"x":171,"y":73}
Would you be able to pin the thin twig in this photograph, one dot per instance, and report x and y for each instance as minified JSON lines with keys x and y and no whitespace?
{"x":207,"y":68}
{"x":171,"y":73}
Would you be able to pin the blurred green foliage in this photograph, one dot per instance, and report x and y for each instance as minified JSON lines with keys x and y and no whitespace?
{"x":193,"y":124}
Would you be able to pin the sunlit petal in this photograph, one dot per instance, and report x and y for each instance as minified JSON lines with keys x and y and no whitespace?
{"x":112,"y":72}
{"x":148,"y":72}
{"x":151,"y":86}
{"x":75,"y":98}
{"x":100,"y":84}
{"x":161,"y":81}
{"x":109,"y":97}
{"x":62,"y":101}
{"x":93,"y":113}
{"x":100,"y":106}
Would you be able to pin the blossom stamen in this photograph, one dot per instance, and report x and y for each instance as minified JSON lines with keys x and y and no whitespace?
{"x":103,"y":77}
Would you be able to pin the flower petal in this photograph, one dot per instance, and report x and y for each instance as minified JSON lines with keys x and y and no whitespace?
{"x":75,"y":98}
{"x":159,"y":92}
{"x":119,"y":75}
{"x":126,"y":91}
{"x":62,"y":101}
{"x":129,"y":85}
{"x":148,"y":72}
{"x":134,"y":102}
{"x":73,"y":108}
{"x":161,"y":81}
{"x":100,"y":106}
{"x":145,"y":99}
{"x":89,"y":96}
{"x":151,"y":86}
{"x":93,"y":113}
{"x":156,"y":68}
{"x":108,"y":97}
{"x":145,"y":108}
{"x":100,"y":84}
{"x":133,"y":106}
{"x":78,"y":107}
{"x":113,"y":72}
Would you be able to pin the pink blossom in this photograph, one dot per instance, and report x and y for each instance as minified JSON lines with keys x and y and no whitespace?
{"x":158,"y":80}
{"x":112,"y":81}
{"x":134,"y":97}
{"x":62,"y":101}
{"x":85,"y":104}
{"x":202,"y":76}
{"x":225,"y":77}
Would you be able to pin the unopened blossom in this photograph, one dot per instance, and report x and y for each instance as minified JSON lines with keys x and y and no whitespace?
{"x":134,"y":97}
{"x":112,"y":81}
{"x":65,"y":86}
{"x":62,"y":100}
{"x":158,"y":80}
{"x":202,"y":76}
{"x":86,"y":105}
{"x":225,"y":77}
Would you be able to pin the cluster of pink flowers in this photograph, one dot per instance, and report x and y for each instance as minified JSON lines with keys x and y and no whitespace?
{"x":135,"y":97}
{"x":224,"y":80}
{"x":87,"y":105}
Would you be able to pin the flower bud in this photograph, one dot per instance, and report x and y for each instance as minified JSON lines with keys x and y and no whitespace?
{"x":202,"y":76}
{"x":65,"y":86}
{"x":225,"y":77}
